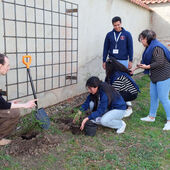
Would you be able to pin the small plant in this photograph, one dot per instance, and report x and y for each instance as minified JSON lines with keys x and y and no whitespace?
{"x":77,"y":117}
{"x":29,"y":123}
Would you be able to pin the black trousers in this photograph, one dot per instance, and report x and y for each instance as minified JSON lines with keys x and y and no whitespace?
{"x":127,"y":96}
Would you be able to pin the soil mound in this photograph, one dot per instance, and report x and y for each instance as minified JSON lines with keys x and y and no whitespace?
{"x":32,"y":144}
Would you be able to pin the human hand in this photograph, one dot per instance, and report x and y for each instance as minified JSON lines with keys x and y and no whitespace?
{"x":104,"y":65}
{"x":130,"y":65}
{"x":143,"y":66}
{"x":83,"y":123}
{"x":30,"y":104}
{"x":131,"y":71}
{"x":137,"y":65}
{"x":16,"y":101}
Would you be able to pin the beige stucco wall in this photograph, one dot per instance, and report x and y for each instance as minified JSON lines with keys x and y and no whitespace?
{"x":94,"y":22}
{"x":161,"y":22}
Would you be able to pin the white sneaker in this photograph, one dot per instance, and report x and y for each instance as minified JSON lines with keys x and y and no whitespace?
{"x":167,"y":126}
{"x":129,"y":103}
{"x":128,"y":112}
{"x":147,"y":119}
{"x":122,"y":128}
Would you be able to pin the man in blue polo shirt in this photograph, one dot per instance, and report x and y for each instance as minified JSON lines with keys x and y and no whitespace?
{"x":118,"y":44}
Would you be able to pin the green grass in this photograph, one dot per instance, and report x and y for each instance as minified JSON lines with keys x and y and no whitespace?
{"x":143,"y":146}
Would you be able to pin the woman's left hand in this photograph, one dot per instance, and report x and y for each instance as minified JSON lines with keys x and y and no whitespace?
{"x":144,"y":66}
{"x":83,"y":123}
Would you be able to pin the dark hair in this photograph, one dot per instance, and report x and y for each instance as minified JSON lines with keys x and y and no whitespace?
{"x":115,"y":19}
{"x":2,"y":59}
{"x":107,"y":88}
{"x":112,"y":66}
{"x":93,"y":82}
{"x":148,"y":34}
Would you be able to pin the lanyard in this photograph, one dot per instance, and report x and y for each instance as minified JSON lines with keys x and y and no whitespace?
{"x":117,"y":38}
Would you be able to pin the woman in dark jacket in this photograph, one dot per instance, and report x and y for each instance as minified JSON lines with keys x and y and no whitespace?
{"x":119,"y":77}
{"x":156,"y":63}
{"x":109,"y":104}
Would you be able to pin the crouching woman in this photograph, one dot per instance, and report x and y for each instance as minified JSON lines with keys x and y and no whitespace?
{"x":110,"y":106}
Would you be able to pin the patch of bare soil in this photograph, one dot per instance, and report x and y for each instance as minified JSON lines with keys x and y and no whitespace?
{"x":32,"y":143}
{"x":66,"y":108}
{"x":67,"y":125}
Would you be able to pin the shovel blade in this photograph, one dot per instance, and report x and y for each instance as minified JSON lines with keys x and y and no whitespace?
{"x":42,"y":116}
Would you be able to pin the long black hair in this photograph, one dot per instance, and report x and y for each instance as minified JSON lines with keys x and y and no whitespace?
{"x":112,"y":66}
{"x":107,"y":88}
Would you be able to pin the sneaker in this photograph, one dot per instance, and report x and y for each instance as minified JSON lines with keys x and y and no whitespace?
{"x":129,"y":103}
{"x":167,"y":126}
{"x":147,"y":119}
{"x":128,"y":112}
{"x":122,"y":128}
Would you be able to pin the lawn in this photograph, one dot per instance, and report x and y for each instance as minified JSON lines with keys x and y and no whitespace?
{"x":142,"y":146}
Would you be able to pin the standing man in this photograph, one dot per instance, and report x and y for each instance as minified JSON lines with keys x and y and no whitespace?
{"x":118,"y":44}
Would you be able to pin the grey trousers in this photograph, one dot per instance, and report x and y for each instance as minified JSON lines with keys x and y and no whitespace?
{"x":111,"y":119}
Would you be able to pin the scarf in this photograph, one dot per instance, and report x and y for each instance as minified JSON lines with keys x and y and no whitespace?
{"x":147,"y":55}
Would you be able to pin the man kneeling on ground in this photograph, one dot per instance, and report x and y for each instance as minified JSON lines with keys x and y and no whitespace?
{"x":9,"y":111}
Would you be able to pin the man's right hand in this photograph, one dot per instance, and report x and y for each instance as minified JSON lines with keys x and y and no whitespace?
{"x":104,"y":65}
{"x":30,"y":104}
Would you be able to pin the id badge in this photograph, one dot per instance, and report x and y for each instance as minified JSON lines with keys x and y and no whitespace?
{"x":115,"y":51}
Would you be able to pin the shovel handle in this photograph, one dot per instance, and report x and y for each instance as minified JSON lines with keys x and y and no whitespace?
{"x":29,"y":61}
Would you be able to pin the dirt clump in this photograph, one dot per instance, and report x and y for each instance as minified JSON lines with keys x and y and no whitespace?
{"x":75,"y":129}
{"x":67,"y":124}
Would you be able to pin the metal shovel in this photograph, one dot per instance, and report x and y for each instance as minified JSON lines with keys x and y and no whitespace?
{"x":40,"y":114}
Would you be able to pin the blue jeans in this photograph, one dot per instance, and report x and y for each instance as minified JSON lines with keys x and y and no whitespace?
{"x":124,"y":62}
{"x":111,"y":119}
{"x":160,"y":91}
